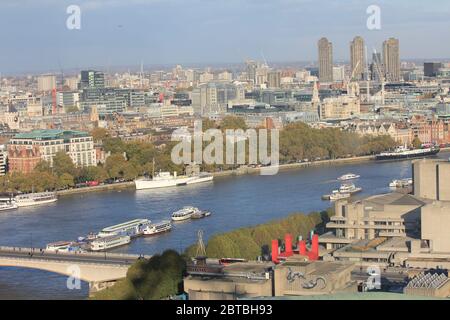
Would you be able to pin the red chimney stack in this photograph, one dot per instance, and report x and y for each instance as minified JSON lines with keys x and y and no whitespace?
{"x":275,"y":251}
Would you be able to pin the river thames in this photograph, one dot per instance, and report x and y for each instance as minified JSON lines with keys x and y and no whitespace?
{"x":234,"y":201}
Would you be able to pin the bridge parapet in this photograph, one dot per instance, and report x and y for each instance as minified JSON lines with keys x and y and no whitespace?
{"x":76,"y":253}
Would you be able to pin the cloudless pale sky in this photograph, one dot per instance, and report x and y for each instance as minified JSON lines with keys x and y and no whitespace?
{"x":34,"y":37}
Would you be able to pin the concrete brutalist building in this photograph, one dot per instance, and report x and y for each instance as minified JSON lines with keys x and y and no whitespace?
{"x":409,"y":230}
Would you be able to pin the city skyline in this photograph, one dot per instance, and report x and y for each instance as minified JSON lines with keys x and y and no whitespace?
{"x":171,"y":32}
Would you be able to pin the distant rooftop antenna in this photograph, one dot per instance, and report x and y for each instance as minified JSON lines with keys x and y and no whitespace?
{"x":201,"y":251}
{"x":141,"y":75}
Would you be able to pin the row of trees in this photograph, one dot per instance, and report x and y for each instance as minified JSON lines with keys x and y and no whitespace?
{"x":299,"y":141}
{"x":251,"y":242}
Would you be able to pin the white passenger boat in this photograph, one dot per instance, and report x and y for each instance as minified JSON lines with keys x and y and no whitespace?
{"x":348,"y":176}
{"x":156,"y":228}
{"x":133,"y":228}
{"x":63,"y":246}
{"x":349,"y":188}
{"x":106,"y":243}
{"x":33,"y":199}
{"x":339,"y":196}
{"x":165,"y":180}
{"x":10,"y":205}
{"x":184,"y":214}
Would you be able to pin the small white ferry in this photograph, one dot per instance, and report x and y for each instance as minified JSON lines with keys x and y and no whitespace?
{"x":157,"y":228}
{"x":339,"y":196}
{"x":33,"y":199}
{"x":349,"y":176}
{"x":184,"y":214}
{"x":349,"y":188}
{"x":201,"y":214}
{"x":103,"y":244}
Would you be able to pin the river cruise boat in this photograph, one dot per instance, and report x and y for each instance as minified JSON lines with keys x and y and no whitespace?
{"x":348,"y":176}
{"x":165,"y":180}
{"x":33,"y":199}
{"x":184,"y":214}
{"x":157,"y":228}
{"x":9,"y":205}
{"x":133,"y":228}
{"x":405,"y":153}
{"x":63,"y":246}
{"x":349,"y":188}
{"x":201,"y":214}
{"x":111,"y":242}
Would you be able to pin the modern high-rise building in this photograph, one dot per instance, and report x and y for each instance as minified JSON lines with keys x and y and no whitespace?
{"x":46,"y":83}
{"x":92,"y":79}
{"x":376,"y":67}
{"x":325,"y":60}
{"x":391,"y":59}
{"x":431,"y":69}
{"x":357,"y":58}
{"x":274,"y":79}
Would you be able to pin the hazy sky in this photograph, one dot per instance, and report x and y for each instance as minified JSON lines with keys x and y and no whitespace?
{"x":34,"y":36}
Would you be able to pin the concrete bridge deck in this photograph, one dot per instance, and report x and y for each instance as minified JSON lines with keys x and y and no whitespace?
{"x":101,"y":270}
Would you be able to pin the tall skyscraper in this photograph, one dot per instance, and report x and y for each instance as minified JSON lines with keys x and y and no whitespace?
{"x":391,"y":59}
{"x":431,"y":69}
{"x":46,"y":82}
{"x":357,"y":58}
{"x":325,"y":60}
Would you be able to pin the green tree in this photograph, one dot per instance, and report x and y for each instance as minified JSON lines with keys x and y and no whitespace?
{"x":115,"y":165}
{"x":233,"y":122}
{"x":65,"y":181}
{"x":417,"y":144}
{"x":154,"y":279}
{"x":99,"y":134}
{"x":130,"y":172}
{"x":62,"y":163}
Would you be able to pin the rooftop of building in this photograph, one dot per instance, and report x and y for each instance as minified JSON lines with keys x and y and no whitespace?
{"x":354,"y":296}
{"x":394,"y":198}
{"x":51,"y":134}
{"x":318,"y":267}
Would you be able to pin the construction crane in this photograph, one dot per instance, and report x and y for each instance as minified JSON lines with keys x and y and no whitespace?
{"x":348,"y":81}
{"x":367,"y":77}
{"x":380,"y":76}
